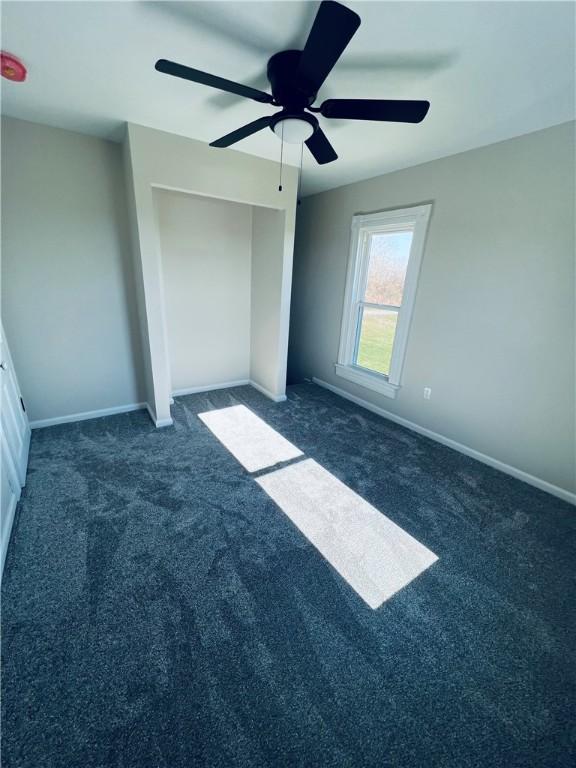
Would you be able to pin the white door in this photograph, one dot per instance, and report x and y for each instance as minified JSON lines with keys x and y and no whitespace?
{"x":14,"y":444}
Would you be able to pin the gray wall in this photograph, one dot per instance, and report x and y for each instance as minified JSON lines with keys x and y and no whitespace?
{"x":206,"y":255}
{"x":67,"y":284}
{"x":493,"y":326}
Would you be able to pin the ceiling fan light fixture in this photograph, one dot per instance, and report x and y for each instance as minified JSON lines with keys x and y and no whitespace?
{"x":293,"y":130}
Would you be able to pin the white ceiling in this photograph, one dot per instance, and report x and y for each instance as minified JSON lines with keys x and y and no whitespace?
{"x":491,"y":70}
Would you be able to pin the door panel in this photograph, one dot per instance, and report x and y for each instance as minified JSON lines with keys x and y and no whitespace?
{"x":9,"y":493}
{"x":15,"y":441}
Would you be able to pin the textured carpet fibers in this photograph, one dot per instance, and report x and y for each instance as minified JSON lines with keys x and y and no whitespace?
{"x":160,"y":611}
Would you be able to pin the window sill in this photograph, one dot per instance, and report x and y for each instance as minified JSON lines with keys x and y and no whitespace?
{"x":374,"y":381}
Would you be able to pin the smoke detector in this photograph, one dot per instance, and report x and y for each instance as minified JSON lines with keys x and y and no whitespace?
{"x":12,"y":68}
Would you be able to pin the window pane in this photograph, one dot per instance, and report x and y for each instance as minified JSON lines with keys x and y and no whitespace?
{"x":388,"y":260}
{"x":377,"y":330}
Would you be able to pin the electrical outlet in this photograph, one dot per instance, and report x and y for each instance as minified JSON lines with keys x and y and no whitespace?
{"x":427,"y":393}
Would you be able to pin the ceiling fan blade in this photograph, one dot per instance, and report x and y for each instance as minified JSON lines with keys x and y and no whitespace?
{"x":204,"y":78}
{"x":333,"y":28}
{"x":376,"y":109}
{"x":321,"y":148}
{"x":242,"y":133}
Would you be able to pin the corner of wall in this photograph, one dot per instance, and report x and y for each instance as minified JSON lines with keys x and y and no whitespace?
{"x":137,"y":265}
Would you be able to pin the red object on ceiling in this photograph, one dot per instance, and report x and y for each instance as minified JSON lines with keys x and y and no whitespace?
{"x":12,"y":68}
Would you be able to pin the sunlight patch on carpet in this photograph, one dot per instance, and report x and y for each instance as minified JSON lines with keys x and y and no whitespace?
{"x":248,"y":438}
{"x":375,"y":556}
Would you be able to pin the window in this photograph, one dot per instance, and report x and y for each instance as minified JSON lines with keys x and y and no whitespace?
{"x":385,"y":255}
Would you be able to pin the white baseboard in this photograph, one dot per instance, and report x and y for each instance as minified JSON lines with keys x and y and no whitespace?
{"x":87,"y":415}
{"x":210,"y":387}
{"x":39,"y":424}
{"x":228,"y":385}
{"x":158,"y":422}
{"x":519,"y":474}
{"x":163,"y":422}
{"x":264,"y":391}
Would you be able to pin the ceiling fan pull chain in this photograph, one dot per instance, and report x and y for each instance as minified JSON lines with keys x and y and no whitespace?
{"x":300,"y":174}
{"x":281,"y":153}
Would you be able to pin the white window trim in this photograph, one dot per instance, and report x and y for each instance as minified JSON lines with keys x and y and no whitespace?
{"x":416,"y":217}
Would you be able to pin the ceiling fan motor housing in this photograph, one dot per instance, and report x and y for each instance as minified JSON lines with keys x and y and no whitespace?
{"x":287,"y":86}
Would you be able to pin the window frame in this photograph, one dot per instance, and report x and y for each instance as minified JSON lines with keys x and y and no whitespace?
{"x":413,"y":219}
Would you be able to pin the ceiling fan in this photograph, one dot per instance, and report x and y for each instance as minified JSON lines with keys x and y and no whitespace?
{"x":295,"y":79}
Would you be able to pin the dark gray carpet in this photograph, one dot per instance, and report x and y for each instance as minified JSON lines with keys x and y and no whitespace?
{"x":160,"y":611}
